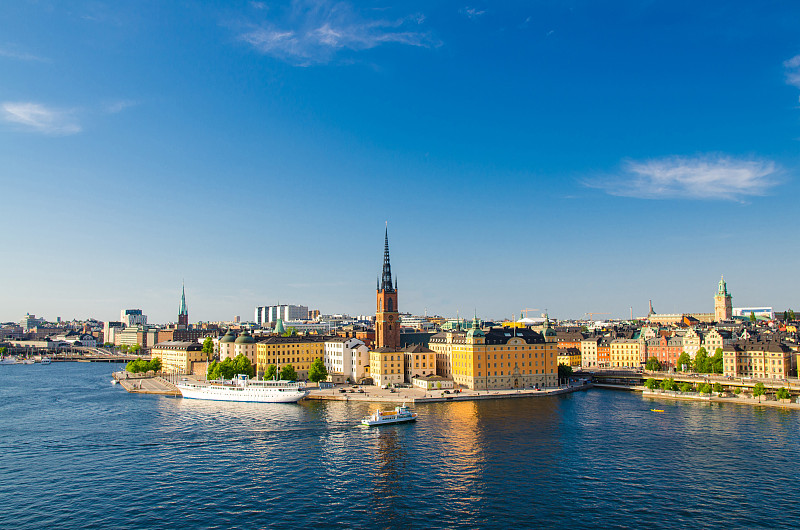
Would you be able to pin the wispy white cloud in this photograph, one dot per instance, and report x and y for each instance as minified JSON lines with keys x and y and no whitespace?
{"x":710,"y":177}
{"x":793,"y":71}
{"x":471,"y":12}
{"x":36,"y":117}
{"x":13,"y":52}
{"x":114,"y":107}
{"x":314,"y":32}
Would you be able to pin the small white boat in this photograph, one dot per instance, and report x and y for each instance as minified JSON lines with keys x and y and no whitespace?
{"x":27,"y":361}
{"x":399,"y":415}
{"x":9,"y":360}
{"x":46,"y":360}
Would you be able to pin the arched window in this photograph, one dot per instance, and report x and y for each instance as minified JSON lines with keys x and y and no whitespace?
{"x":389,"y":305}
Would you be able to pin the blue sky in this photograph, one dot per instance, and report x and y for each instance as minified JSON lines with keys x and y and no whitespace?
{"x":577,"y":156}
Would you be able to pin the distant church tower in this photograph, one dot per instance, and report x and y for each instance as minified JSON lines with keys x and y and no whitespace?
{"x":387,"y":317}
{"x":183,"y":313}
{"x":723,"y":307}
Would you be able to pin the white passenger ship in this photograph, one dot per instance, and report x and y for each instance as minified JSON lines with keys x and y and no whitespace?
{"x":400,"y":415}
{"x":244,"y":389}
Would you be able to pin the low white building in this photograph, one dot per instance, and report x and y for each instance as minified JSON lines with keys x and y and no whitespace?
{"x":347,"y":356}
{"x":433,"y":382}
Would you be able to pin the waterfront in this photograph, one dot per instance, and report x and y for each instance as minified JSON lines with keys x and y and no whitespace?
{"x":79,"y":452}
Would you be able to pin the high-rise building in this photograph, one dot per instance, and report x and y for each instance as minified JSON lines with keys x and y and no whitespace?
{"x":723,"y":306}
{"x":132,"y":317}
{"x":183,"y":312}
{"x":271,"y":313}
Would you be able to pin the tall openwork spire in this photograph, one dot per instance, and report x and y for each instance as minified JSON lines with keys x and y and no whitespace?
{"x":182,"y":309}
{"x":386,"y":280}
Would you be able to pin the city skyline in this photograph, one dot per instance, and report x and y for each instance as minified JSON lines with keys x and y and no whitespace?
{"x":570,"y":157}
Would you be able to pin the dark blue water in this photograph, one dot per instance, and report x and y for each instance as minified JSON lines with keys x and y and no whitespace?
{"x":76,"y":451}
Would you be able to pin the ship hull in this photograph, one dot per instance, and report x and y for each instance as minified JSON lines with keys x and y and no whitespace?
{"x":245,"y":395}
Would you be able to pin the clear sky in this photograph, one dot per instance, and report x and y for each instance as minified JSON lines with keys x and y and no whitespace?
{"x":579,"y":156}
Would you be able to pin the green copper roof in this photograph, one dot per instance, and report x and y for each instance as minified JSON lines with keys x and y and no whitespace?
{"x":476,"y":330}
{"x":229,"y":337}
{"x":723,"y":287}
{"x":245,"y":338}
{"x":279,"y":326}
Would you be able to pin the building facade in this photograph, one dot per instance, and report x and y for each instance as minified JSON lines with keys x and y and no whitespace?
{"x":761,"y":359}
{"x":178,"y":356}
{"x":298,"y":351}
{"x":499,"y":358}
{"x":347,"y":356}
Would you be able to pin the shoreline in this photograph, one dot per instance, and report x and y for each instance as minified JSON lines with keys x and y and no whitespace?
{"x":693,"y":396}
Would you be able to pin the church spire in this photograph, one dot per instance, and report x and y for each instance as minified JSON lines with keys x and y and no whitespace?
{"x":182,"y":309}
{"x":386,"y":282}
{"x":183,"y":312}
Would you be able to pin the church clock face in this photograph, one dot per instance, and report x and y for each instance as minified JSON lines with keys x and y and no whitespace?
{"x":390,"y":318}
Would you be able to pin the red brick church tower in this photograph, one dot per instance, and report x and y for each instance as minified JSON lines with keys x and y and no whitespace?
{"x":387,"y":317}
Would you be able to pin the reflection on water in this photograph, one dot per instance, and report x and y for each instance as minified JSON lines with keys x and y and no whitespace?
{"x":389,"y":466}
{"x":114,"y":459}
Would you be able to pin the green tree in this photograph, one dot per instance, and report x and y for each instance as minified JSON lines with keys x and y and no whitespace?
{"x":718,"y":388}
{"x":136,"y":348}
{"x":684,"y":362}
{"x":785,"y":316}
{"x":668,"y":384}
{"x":650,"y":384}
{"x":752,"y":317}
{"x":737,"y":390}
{"x":272,"y":372}
{"x":564,"y":371}
{"x":3,"y":350}
{"x":242,"y":365}
{"x":155,"y":364}
{"x":686,"y":387}
{"x":213,"y":371}
{"x":705,"y":388}
{"x":653,"y":364}
{"x":759,"y":390}
{"x":288,"y":373}
{"x":208,"y":346}
{"x":782,"y":393}
{"x":701,"y":361}
{"x":290,"y":332}
{"x":791,"y":315}
{"x":317,"y":371}
{"x":715,"y":362}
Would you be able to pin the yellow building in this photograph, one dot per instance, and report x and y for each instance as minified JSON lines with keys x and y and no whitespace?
{"x":419,"y":361}
{"x":386,"y":366}
{"x":569,"y":357}
{"x":626,"y":353}
{"x":761,"y":359}
{"x":177,"y":356}
{"x":299,"y":351}
{"x":500,"y":358}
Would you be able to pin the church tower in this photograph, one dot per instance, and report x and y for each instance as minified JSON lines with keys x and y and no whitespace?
{"x":387,"y":317}
{"x":183,"y":313}
{"x":723,"y":307}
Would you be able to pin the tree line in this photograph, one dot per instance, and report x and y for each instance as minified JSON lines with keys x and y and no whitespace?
{"x":701,"y":364}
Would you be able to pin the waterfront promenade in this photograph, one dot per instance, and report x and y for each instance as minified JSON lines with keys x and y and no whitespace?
{"x":163,"y":386}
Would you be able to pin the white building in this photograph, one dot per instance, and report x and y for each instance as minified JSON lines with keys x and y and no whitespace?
{"x":766,"y":312}
{"x":271,"y":313}
{"x":347,"y":356}
{"x":132,"y":317}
